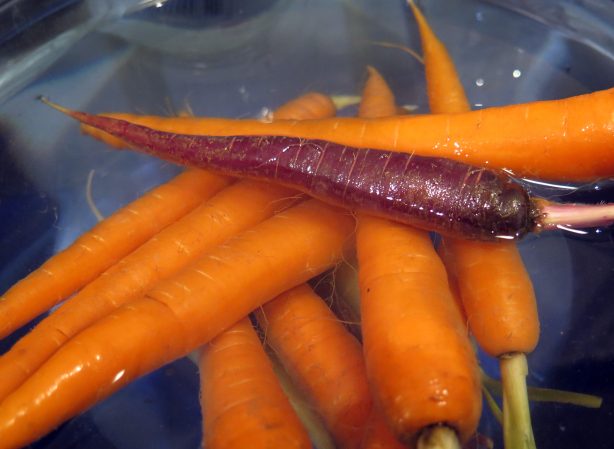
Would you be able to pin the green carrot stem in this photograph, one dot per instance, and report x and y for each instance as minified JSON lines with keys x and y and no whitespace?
{"x":492,"y":404}
{"x":517,"y":430}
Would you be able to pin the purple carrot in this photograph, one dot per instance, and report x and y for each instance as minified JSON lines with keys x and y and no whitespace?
{"x":437,"y":194}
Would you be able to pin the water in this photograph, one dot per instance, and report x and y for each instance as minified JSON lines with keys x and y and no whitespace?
{"x":240,"y":62}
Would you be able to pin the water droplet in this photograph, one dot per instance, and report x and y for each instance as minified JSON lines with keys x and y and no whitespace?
{"x":516,"y":73}
{"x":479,"y":82}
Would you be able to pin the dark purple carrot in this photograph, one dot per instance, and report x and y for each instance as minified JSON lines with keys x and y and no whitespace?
{"x":437,"y":194}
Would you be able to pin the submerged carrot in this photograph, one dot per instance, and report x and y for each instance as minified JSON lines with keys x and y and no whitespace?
{"x":102,"y":246}
{"x":323,"y":359}
{"x":179,"y":315}
{"x":234,"y":209}
{"x":568,"y":139}
{"x":431,"y":193}
{"x":420,"y":362}
{"x":242,"y":402}
{"x":493,"y":283}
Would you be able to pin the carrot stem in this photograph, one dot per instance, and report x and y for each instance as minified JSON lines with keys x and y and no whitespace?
{"x":537,"y":394}
{"x":572,"y":215}
{"x":492,"y":404}
{"x":517,"y":430}
{"x":438,"y":437}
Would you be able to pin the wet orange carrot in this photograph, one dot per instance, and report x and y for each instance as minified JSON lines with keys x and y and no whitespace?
{"x":242,"y":402}
{"x":567,"y":139}
{"x":493,"y":283}
{"x":421,"y":367}
{"x":232,"y":210}
{"x":323,"y":359}
{"x":378,"y":435}
{"x":179,"y":315}
{"x":103,"y":245}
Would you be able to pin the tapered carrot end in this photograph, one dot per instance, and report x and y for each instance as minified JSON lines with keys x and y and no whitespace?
{"x":74,"y":114}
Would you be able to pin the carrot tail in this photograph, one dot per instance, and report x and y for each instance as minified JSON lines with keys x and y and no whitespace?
{"x":322,"y":358}
{"x":176,"y":317}
{"x":569,"y":216}
{"x":242,"y":402}
{"x":234,"y":209}
{"x":102,"y":246}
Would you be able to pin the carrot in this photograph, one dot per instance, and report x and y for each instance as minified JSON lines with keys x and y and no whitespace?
{"x":567,"y":139}
{"x":311,"y":105}
{"x":102,"y":246}
{"x":242,"y":402}
{"x":378,"y":434}
{"x":493,"y":283}
{"x":179,"y":315}
{"x":322,"y":358}
{"x":421,"y":367}
{"x":232,"y":210}
{"x":420,"y":363}
{"x":430,"y":193}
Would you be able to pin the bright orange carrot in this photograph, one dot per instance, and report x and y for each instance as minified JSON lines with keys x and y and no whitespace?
{"x":234,"y":209}
{"x":493,"y":283}
{"x":323,"y":358}
{"x":567,"y":139}
{"x":311,"y":105}
{"x":103,"y":245}
{"x":231,"y":211}
{"x":420,"y":363}
{"x":179,"y":315}
{"x":242,"y":402}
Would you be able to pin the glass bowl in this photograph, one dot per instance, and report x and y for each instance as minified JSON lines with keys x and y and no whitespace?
{"x":241,"y":59}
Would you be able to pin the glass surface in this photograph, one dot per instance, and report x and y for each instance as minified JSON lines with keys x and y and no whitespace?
{"x":240,"y":59}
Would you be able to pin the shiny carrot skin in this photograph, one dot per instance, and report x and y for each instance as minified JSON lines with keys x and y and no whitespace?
{"x":242,"y":402}
{"x":322,"y":358}
{"x":232,"y":210}
{"x":103,"y":245}
{"x":566,"y":140}
{"x":176,"y":317}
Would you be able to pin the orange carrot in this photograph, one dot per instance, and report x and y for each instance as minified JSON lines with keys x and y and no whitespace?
{"x":419,"y":360}
{"x":103,"y":245}
{"x":179,"y":315}
{"x":232,"y":210}
{"x":420,"y":363}
{"x":242,"y":403}
{"x":493,"y":283}
{"x":568,"y":139}
{"x":311,"y":105}
{"x":322,"y":358}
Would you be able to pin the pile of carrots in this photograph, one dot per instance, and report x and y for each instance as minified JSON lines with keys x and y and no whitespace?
{"x":223,"y":266}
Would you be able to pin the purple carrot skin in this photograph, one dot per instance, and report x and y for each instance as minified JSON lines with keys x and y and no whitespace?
{"x":452,"y":198}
